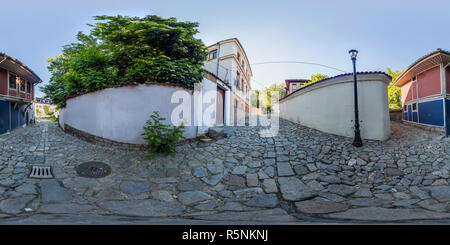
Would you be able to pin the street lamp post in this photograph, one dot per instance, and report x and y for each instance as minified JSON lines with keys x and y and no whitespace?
{"x":357,"y":142}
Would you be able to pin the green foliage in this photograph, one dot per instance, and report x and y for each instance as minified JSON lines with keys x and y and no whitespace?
{"x":255,"y":98}
{"x":315,"y":78}
{"x":53,"y":118}
{"x":122,"y":49}
{"x":269,"y":92}
{"x":47,"y":110}
{"x":161,"y":138}
{"x":394,"y":92}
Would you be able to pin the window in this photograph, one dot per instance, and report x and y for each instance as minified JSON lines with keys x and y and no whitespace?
{"x":213,"y":54}
{"x":405,"y":108}
{"x":239,"y":56}
{"x":28,"y":87}
{"x":414,"y":107}
{"x":294,"y":87}
{"x":12,"y":81}
{"x":22,"y":85}
{"x":414,"y":78}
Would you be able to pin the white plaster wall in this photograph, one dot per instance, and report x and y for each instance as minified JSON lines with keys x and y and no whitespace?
{"x":329,"y":106}
{"x":119,"y":114}
{"x":208,"y":107}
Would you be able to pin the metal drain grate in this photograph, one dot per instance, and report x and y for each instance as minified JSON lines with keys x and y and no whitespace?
{"x":41,"y":172}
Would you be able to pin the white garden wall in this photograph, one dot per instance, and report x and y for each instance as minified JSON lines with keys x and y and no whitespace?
{"x":329,"y":106}
{"x":119,"y":114}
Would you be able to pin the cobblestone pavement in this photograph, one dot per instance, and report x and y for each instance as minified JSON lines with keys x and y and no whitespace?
{"x":301,"y":175}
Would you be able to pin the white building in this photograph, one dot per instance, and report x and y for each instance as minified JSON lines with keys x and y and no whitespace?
{"x":228,"y":62}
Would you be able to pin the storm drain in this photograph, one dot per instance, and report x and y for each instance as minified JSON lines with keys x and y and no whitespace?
{"x":41,"y":172}
{"x":93,"y":170}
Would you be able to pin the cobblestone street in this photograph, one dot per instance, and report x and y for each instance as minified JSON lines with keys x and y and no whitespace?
{"x":299,"y":176}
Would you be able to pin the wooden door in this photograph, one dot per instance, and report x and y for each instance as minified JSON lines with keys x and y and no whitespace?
{"x":220,"y":106}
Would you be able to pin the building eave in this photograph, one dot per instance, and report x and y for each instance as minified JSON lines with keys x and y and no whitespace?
{"x":14,"y":65}
{"x":422,"y":64}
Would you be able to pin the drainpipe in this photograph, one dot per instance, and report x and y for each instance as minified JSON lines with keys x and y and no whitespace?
{"x":218,"y":60}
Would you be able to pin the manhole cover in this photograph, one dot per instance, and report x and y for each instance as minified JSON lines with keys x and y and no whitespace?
{"x":93,"y":170}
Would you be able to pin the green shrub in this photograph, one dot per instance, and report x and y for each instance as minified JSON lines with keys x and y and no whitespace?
{"x":161,"y":138}
{"x":121,"y":49}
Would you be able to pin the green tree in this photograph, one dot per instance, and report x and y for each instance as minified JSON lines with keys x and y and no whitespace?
{"x":122,"y":49}
{"x":270,"y":92}
{"x":255,"y":95}
{"x":394,"y":92}
{"x":315,"y":78}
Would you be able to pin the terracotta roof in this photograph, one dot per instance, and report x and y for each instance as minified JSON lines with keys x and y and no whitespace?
{"x":329,"y":78}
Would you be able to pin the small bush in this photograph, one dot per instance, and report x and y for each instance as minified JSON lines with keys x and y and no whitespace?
{"x":161,"y":138}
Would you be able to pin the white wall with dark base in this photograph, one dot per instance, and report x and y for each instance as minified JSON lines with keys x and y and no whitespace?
{"x":329,"y":106}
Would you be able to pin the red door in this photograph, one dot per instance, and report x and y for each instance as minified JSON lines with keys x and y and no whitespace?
{"x":220,"y":103}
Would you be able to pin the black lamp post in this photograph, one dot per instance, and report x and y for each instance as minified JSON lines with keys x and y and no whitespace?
{"x":357,"y":142}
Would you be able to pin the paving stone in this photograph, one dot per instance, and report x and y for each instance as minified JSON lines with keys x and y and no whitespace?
{"x":272,"y":215}
{"x":386,"y":214}
{"x":252,"y":180}
{"x":342,"y":190}
{"x":231,"y":179}
{"x":246,"y":194}
{"x":416,"y":191}
{"x":315,"y":185}
{"x":293,"y":189}
{"x":263,"y":201}
{"x":320,"y":205}
{"x":193,"y":197}
{"x":65,"y":208}
{"x":15,"y":205}
{"x":284,"y":169}
{"x":366,"y":202}
{"x":134,"y":187}
{"x":270,"y":186}
{"x":190,"y":186}
{"x":330,"y":179}
{"x":393,"y":172}
{"x":213,"y":179}
{"x":199,"y":172}
{"x":162,"y":195}
{"x":239,"y":170}
{"x":363,"y":192}
{"x":52,"y":191}
{"x":215,"y":168}
{"x":152,"y":208}
{"x":332,"y":197}
{"x":441,"y":193}
{"x":300,"y":170}
{"x":434,"y":205}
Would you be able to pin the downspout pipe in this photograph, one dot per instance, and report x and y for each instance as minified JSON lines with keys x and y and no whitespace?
{"x":218,"y":60}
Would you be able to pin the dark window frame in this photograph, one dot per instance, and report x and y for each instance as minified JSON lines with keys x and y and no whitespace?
{"x":9,"y":81}
{"x":214,"y":56}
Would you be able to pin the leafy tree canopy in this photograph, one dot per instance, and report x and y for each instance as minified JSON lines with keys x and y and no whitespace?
{"x":394,"y":92}
{"x":122,"y":49}
{"x":269,"y":92}
{"x":315,"y":78}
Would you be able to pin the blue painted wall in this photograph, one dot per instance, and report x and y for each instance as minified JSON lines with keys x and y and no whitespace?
{"x":409,"y":113}
{"x":4,"y":116}
{"x":414,"y":116}
{"x":15,"y":119}
{"x":447,"y":128}
{"x":431,"y":112}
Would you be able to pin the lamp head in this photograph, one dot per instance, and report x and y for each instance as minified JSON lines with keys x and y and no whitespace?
{"x":353,"y":53}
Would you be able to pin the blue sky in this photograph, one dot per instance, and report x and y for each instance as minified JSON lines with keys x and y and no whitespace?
{"x":387,"y":33}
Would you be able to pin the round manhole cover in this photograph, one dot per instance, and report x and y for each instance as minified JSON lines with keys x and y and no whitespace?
{"x":93,"y":170}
